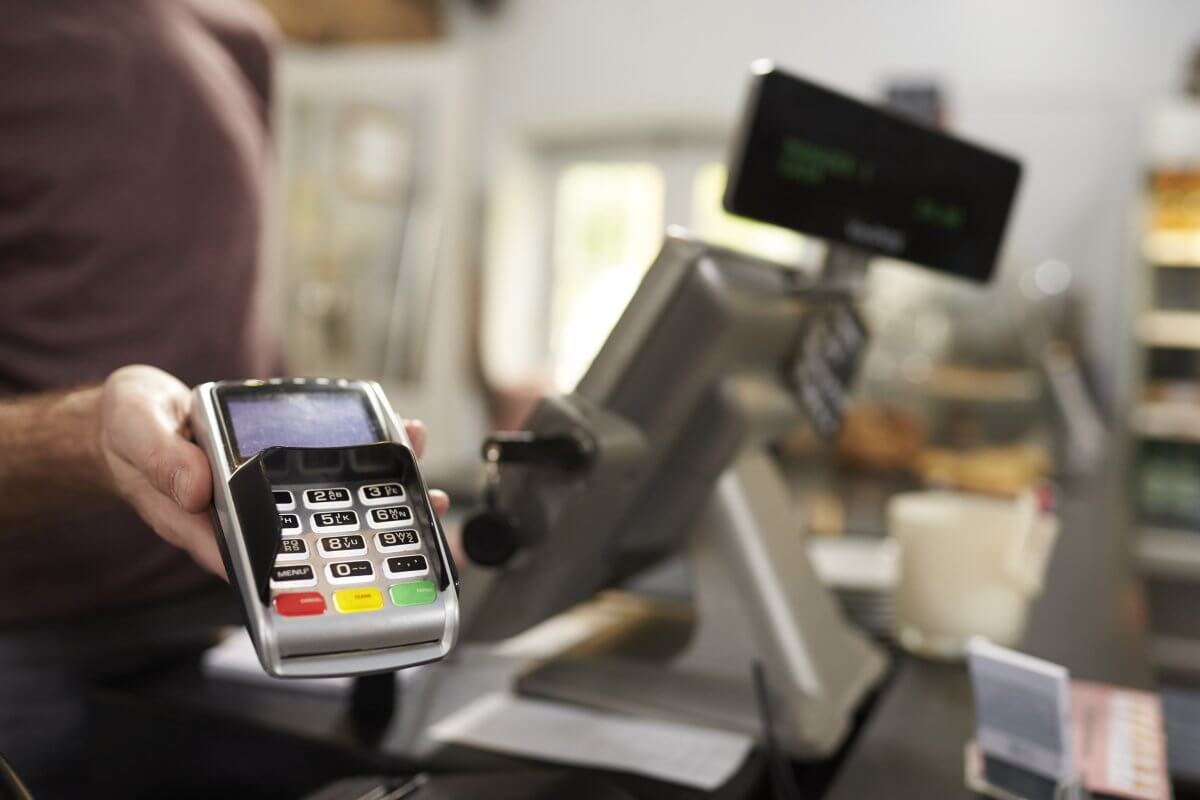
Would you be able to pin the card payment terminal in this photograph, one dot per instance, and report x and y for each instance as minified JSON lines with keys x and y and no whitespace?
{"x":326,"y":527}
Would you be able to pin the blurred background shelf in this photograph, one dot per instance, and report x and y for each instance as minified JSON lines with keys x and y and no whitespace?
{"x":1172,"y":248}
{"x":1163,"y":419}
{"x":1180,"y":329}
{"x":1168,"y":421}
{"x":1176,"y":656}
{"x":1169,"y":552}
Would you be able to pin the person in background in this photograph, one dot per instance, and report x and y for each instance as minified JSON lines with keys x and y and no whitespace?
{"x":131,"y":186}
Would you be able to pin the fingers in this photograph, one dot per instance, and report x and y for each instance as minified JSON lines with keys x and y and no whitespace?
{"x":179,"y":469}
{"x":454,"y":539}
{"x":416,"y":434}
{"x":164,"y":475}
{"x":146,"y":426}
{"x":207,"y":554}
{"x":190,"y":532}
{"x":440,"y":501}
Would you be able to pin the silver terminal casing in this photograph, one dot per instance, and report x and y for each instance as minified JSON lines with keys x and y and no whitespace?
{"x":332,"y":644}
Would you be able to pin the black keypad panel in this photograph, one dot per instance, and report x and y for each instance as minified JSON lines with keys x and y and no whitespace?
{"x":335,"y":520}
{"x":333,"y":546}
{"x":391,"y":515}
{"x":297,"y":574}
{"x":392,"y":541}
{"x":350,"y":571}
{"x":344,"y":538}
{"x":403,"y":565}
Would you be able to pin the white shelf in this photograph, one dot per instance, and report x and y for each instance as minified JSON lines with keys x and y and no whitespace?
{"x":1169,"y":421}
{"x":1172,"y":249}
{"x":1169,"y":552}
{"x":983,"y":385}
{"x":1175,"y":653}
{"x":1170,"y":329}
{"x":1176,"y":264}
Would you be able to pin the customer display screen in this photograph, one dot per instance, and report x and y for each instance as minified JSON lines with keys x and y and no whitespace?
{"x":262,"y":418}
{"x":823,"y":164}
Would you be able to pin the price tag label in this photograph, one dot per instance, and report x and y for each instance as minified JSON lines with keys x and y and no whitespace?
{"x":1022,"y":716}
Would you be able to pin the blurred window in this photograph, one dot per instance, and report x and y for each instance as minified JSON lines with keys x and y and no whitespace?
{"x":609,"y":207}
{"x":608,"y":222}
{"x":712,"y":223}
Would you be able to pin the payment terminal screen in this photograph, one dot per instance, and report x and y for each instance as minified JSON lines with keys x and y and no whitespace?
{"x":299,"y":419}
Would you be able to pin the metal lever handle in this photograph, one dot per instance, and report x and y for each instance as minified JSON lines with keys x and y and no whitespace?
{"x":492,"y":537}
{"x":563,"y":451}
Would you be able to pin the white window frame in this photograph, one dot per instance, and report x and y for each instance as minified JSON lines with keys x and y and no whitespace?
{"x":516,"y":342}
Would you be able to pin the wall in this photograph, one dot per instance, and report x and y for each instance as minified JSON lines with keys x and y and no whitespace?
{"x":1063,"y":84}
{"x":433,"y":82}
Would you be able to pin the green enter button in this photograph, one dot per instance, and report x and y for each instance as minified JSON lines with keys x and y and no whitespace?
{"x":417,"y":593}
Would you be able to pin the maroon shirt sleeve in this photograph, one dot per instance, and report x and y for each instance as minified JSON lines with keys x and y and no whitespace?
{"x":131,"y":182}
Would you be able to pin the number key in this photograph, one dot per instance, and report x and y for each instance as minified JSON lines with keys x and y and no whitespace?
{"x":290,"y":524}
{"x":389,"y":517}
{"x":405,"y":566}
{"x":335,"y":522}
{"x":378,"y":493}
{"x":397,"y":541}
{"x":328,"y":498}
{"x":294,"y":549}
{"x":341,"y":546}
{"x":350,"y":572}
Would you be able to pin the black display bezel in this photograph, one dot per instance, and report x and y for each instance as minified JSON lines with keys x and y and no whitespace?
{"x":267,"y":391}
{"x":892,"y":164}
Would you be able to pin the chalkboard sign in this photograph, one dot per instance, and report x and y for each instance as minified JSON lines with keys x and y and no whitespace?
{"x":825,"y":362}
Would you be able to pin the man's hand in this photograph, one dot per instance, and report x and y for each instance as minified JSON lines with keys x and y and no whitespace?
{"x":145,"y":446}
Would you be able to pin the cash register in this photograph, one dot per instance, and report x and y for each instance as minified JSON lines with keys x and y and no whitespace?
{"x":664,"y":446}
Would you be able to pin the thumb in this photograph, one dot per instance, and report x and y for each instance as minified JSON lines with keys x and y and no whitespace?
{"x":151,"y":438}
{"x":189,"y":479}
{"x":178,"y":469}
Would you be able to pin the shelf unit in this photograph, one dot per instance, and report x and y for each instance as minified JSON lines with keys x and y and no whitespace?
{"x":1168,"y":552}
{"x":1172,"y":329}
{"x":1172,"y":249}
{"x":1166,"y":422}
{"x":1164,"y":410}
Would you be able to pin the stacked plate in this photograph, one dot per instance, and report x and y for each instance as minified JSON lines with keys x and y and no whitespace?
{"x":861,"y":571}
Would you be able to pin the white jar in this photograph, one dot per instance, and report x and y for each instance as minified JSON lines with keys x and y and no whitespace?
{"x":969,"y":566}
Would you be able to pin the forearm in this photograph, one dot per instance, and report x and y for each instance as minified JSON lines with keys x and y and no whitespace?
{"x":50,"y":456}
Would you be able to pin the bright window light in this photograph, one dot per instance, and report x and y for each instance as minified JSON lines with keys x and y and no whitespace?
{"x":712,"y":223}
{"x":607,"y":229}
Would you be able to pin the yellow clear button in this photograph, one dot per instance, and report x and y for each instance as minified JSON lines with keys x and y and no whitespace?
{"x":350,"y":601}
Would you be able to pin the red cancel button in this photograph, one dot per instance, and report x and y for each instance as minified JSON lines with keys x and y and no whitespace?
{"x":300,"y":604}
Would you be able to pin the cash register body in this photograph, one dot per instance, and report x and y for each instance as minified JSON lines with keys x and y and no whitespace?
{"x":678,"y":410}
